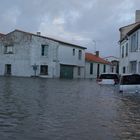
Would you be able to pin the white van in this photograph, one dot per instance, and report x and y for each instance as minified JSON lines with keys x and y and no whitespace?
{"x":130,"y":83}
{"x":108,"y":78}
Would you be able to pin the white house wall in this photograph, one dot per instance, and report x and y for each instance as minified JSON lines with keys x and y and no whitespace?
{"x":132,"y":56}
{"x":87,"y":70}
{"x":124,"y":62}
{"x":102,"y":68}
{"x":51,"y":59}
{"x":20,"y":58}
{"x":66,"y":57}
{"x":82,"y":72}
{"x":26,"y":53}
{"x":95,"y":65}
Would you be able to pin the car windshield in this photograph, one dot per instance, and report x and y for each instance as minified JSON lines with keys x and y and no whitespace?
{"x":108,"y":76}
{"x":130,"y":80}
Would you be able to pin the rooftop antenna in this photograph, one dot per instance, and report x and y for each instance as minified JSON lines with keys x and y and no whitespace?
{"x":94,"y":41}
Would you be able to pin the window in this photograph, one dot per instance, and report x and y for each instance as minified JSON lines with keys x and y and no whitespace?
{"x":126,"y":53}
{"x":123,"y":69}
{"x":8,"y":69}
{"x":73,"y":52}
{"x":133,"y":65}
{"x":104,"y":69}
{"x":134,"y":42}
{"x":79,"y":71}
{"x":44,"y":69}
{"x":108,"y":76}
{"x":130,"y":79}
{"x":8,"y":49}
{"x":44,"y":50}
{"x":122,"y":51}
{"x":80,"y":55}
{"x":91,"y":68}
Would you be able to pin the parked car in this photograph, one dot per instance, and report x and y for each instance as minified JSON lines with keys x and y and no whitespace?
{"x":108,"y":78}
{"x":130,"y":83}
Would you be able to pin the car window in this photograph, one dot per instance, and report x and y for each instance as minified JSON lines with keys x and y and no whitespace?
{"x":108,"y":76}
{"x":130,"y":80}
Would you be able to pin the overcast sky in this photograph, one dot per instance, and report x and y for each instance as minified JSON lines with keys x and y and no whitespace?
{"x":92,"y":23}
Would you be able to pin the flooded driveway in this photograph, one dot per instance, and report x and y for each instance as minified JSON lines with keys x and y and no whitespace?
{"x":54,"y":109}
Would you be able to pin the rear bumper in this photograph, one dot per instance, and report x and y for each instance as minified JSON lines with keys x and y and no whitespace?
{"x":129,"y":89}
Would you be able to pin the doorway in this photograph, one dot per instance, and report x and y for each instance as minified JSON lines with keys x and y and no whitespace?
{"x":66,"y":71}
{"x":98,"y":70}
{"x":7,"y":69}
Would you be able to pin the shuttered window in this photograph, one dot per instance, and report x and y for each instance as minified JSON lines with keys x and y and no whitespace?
{"x":44,"y":50}
{"x":91,"y":68}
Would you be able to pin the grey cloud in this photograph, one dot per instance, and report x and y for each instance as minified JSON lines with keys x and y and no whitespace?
{"x":75,"y":20}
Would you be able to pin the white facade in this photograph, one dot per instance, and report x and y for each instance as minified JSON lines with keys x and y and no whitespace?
{"x":93,"y":72}
{"x":130,"y":53}
{"x":26,"y":54}
{"x":69,"y":55}
{"x":130,"y":47}
{"x":115,"y":63}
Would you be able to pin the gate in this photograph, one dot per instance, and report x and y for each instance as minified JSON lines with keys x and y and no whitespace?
{"x":66,"y":71}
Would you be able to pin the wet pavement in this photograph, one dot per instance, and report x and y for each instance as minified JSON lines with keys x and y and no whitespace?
{"x":55,"y":109}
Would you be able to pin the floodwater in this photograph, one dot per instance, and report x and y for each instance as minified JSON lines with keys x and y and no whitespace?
{"x":55,"y":109}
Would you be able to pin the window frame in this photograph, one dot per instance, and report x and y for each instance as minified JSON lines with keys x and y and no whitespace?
{"x":43,"y":69}
{"x":91,"y":68}
{"x":123,"y":51}
{"x":134,"y":42}
{"x":104,"y":68}
{"x":73,"y":52}
{"x":80,"y":54}
{"x":44,"y":50}
{"x":126,"y":53}
{"x":133,"y":66}
{"x":8,"y":49}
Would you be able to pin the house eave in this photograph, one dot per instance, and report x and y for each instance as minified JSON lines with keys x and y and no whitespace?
{"x":59,"y":41}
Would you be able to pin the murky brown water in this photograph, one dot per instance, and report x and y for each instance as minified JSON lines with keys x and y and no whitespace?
{"x":47,"y":109}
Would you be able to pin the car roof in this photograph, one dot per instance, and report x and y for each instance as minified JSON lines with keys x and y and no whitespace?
{"x":109,"y":73}
{"x":129,"y":74}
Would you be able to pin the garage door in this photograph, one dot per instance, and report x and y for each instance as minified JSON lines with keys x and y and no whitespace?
{"x":66,"y":71}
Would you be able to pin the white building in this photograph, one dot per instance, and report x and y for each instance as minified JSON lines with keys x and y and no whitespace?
{"x":27,"y":54}
{"x":115,"y":63}
{"x":72,"y":60}
{"x":130,"y":47}
{"x":95,"y":65}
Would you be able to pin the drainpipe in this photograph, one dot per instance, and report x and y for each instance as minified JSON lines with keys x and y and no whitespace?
{"x":137,"y":68}
{"x":35,"y":69}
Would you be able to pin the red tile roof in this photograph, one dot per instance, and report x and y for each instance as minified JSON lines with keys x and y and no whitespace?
{"x":93,"y":58}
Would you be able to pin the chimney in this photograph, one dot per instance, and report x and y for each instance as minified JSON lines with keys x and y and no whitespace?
{"x":97,"y":53}
{"x":137,"y":16}
{"x":38,"y":33}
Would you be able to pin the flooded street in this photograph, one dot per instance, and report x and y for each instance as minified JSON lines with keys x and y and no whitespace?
{"x":55,"y":109}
